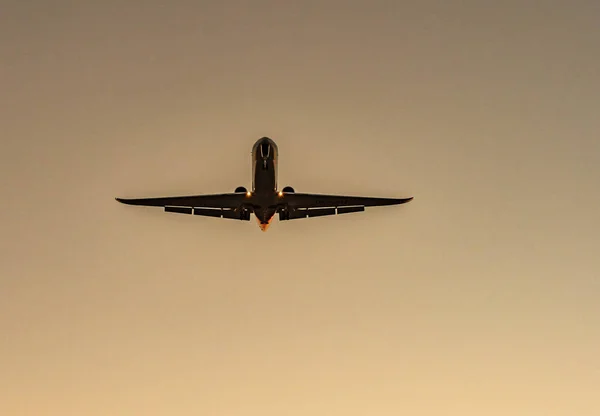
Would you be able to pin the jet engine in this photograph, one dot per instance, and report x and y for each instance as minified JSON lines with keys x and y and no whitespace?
{"x":240,"y":189}
{"x":288,"y":190}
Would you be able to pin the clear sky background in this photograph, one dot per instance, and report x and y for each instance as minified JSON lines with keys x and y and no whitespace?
{"x":480,"y":297}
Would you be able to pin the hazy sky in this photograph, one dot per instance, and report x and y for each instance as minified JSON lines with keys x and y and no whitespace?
{"x":480,"y":297}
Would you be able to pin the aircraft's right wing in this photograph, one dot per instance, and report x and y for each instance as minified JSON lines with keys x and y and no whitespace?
{"x":313,"y":205}
{"x":217,"y":205}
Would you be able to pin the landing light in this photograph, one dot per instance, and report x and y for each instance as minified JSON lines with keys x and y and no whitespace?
{"x":280,"y":193}
{"x":248,"y":193}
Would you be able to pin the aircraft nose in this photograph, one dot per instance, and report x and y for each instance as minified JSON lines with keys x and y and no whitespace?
{"x":263,"y":225}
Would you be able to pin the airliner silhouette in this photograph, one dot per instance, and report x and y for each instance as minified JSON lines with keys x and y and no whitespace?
{"x":265,"y":199}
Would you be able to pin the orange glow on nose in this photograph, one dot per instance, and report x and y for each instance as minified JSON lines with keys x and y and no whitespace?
{"x":264,"y":226}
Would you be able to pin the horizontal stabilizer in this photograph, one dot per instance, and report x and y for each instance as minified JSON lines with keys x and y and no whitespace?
{"x":318,"y":212}
{"x":179,"y":210}
{"x":207,"y":212}
{"x":346,"y":210}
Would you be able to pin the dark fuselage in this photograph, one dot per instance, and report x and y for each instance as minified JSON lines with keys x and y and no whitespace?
{"x":264,"y":195}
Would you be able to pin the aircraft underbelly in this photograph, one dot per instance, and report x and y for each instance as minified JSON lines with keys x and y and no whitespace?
{"x":264,"y":178}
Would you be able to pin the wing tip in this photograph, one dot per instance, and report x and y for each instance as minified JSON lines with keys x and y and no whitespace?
{"x":404,"y":200}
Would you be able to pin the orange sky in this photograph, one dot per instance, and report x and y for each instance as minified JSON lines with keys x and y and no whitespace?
{"x":480,"y":297}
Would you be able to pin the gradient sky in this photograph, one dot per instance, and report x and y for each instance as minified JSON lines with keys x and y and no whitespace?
{"x":480,"y":297}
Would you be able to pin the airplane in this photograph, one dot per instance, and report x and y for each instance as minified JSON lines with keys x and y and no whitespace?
{"x":265,"y":199}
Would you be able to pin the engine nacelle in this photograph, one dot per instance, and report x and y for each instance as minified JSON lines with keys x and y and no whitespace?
{"x":240,"y":189}
{"x":288,"y":190}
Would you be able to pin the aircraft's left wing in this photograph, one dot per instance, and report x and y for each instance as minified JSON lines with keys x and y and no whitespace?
{"x":216,"y":205}
{"x":314,"y":205}
{"x":320,"y":201}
